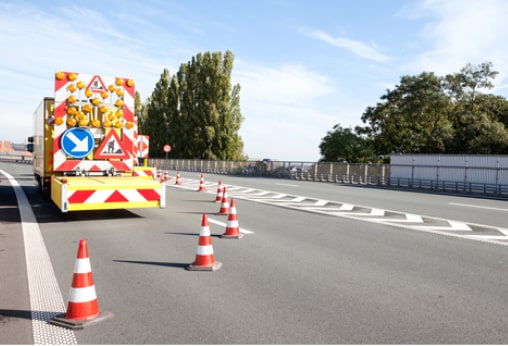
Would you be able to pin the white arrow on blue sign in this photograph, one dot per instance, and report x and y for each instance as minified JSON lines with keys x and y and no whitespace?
{"x":77,"y":142}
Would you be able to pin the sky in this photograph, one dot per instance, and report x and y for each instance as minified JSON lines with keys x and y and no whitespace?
{"x":303,"y":66}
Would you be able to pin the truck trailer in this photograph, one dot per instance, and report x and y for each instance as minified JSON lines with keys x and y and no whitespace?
{"x":85,"y":146}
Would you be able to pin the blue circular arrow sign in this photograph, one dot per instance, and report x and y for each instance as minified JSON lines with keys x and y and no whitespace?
{"x":77,"y":142}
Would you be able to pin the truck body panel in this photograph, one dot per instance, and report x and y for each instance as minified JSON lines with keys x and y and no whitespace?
{"x":86,"y":146}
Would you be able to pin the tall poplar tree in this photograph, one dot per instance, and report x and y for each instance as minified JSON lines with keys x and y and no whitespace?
{"x":197,"y":111}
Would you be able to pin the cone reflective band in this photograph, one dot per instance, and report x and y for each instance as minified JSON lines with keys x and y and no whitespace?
{"x":205,"y":259}
{"x":232,"y":226}
{"x":82,"y":308}
{"x":82,"y":297}
{"x":218,"y":197}
{"x":224,"y":208}
{"x":202,"y":183}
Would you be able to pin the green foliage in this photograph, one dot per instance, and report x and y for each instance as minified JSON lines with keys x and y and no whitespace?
{"x":343,"y":145}
{"x":431,"y":114}
{"x":197,"y":111}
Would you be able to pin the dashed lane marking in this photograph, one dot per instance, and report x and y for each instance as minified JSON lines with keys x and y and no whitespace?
{"x":46,"y":299}
{"x":466,"y":230}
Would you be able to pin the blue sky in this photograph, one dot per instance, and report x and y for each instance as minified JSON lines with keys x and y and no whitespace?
{"x":303,"y":66}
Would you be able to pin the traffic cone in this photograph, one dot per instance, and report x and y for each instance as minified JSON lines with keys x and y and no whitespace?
{"x":166,"y":175}
{"x":158,"y":173}
{"x":178,"y":182}
{"x":202,"y":183}
{"x":218,"y":198}
{"x":82,"y":308}
{"x":205,"y":260}
{"x":224,"y":207}
{"x":232,"y":226}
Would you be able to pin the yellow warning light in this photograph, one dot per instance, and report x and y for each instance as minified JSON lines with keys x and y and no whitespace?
{"x":80,"y":115}
{"x":111,"y":87}
{"x":119,"y":103}
{"x":71,"y":110}
{"x":59,"y":75}
{"x":118,"y":124}
{"x":107,"y":123}
{"x":119,"y":92}
{"x":72,"y":76}
{"x":111,"y":116}
{"x":119,"y":113}
{"x":119,"y":81}
{"x":71,"y":99}
{"x":88,"y":93}
{"x":129,"y":125}
{"x":130,"y":83}
{"x":80,"y":85}
{"x":72,"y":88}
{"x":96,"y":123}
{"x":87,"y":108}
{"x":104,"y":94}
{"x":96,"y":101}
{"x":103,"y":109}
{"x":83,"y":122}
{"x":59,"y":121}
{"x":71,"y":121}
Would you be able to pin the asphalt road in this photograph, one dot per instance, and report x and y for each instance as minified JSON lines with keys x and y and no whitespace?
{"x":301,"y":276}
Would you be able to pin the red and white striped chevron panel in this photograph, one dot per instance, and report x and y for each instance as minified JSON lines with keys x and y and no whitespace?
{"x":113,"y":196}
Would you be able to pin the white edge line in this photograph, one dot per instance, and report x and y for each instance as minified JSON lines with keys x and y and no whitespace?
{"x":45,"y":296}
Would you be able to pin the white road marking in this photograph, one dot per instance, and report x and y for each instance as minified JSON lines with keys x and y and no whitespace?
{"x":291,"y":185}
{"x":223,"y":224}
{"x":476,"y":206}
{"x":46,"y":299}
{"x":346,"y":211}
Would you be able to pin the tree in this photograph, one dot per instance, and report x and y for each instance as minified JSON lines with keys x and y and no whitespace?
{"x":413,"y":118}
{"x":431,"y":114}
{"x":199,"y":109}
{"x":342,"y":144}
{"x":156,"y":121}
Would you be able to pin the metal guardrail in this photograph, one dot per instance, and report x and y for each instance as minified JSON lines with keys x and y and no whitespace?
{"x":339,"y":173}
{"x":16,"y":157}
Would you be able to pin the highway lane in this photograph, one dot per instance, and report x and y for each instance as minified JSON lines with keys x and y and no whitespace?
{"x":299,"y":278}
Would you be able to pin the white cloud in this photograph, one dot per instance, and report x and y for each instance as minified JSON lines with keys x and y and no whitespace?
{"x":287,"y":110}
{"x":363,"y":50}
{"x":463,"y":32}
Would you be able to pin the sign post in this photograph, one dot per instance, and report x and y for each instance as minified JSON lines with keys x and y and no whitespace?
{"x":167,"y":149}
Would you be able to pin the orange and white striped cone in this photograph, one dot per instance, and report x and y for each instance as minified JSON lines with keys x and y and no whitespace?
{"x":205,"y":259}
{"x":158,"y":173}
{"x":224,"y":207}
{"x":202,"y":183}
{"x":218,"y":198}
{"x":83,"y":307}
{"x":232,"y":226}
{"x":178,"y":181}
{"x":166,"y":175}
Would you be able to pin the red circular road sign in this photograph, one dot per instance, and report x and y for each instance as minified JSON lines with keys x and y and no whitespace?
{"x":167,"y":148}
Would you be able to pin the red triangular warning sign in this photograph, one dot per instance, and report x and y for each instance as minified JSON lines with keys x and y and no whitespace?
{"x":96,"y":84}
{"x":111,"y":148}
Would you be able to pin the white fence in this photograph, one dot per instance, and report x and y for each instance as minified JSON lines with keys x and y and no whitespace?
{"x":466,"y":173}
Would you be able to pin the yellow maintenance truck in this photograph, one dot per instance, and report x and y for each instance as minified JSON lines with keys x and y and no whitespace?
{"x":85,"y":146}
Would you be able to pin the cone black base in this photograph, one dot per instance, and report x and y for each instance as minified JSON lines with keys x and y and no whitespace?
{"x":193,"y":267}
{"x":79,"y":324}
{"x":225,"y":236}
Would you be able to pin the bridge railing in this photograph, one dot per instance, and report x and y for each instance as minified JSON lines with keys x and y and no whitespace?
{"x":16,"y":157}
{"x":328,"y":172}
